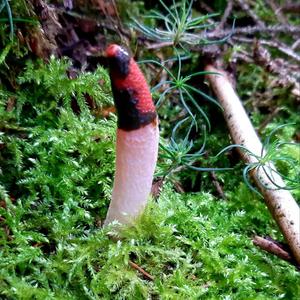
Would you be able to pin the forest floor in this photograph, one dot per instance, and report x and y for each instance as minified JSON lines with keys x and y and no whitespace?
{"x":203,"y":233}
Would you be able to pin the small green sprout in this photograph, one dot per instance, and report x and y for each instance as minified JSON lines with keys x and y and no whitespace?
{"x":179,"y":151}
{"x":179,"y":27}
{"x":271,"y":152}
{"x":6,"y":5}
{"x":179,"y":84}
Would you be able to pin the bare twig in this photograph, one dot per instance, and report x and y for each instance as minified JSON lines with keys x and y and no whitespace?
{"x":281,"y":18}
{"x":268,"y":119}
{"x":225,"y":16}
{"x":138,"y":268}
{"x":243,"y":57}
{"x":279,"y":46}
{"x":217,"y":185}
{"x":273,"y":247}
{"x":280,"y":202}
{"x":291,"y":8}
{"x":277,"y":67}
{"x":296,"y":44}
{"x":159,"y":45}
{"x":245,"y":6}
{"x":283,"y":28}
{"x":251,"y":30}
{"x":205,"y":7}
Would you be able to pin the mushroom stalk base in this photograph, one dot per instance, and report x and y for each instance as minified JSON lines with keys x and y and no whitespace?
{"x":136,"y":156}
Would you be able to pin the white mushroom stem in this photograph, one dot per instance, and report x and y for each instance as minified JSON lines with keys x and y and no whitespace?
{"x":136,"y":156}
{"x":280,"y":202}
{"x":137,"y":137}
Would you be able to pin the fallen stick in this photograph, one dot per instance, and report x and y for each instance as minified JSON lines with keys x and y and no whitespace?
{"x":280,"y":202}
{"x":269,"y":245}
{"x":141,"y":270}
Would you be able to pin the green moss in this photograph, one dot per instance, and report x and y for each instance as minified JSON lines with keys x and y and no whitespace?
{"x":57,"y":164}
{"x":194,"y":246}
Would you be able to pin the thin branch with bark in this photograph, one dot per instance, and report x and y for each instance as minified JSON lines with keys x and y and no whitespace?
{"x":251,"y":30}
{"x":283,"y":70}
{"x":141,"y":270}
{"x":291,"y":8}
{"x":280,"y":202}
{"x":274,"y":44}
{"x":245,"y":6}
{"x":225,"y":16}
{"x":277,"y":12}
{"x":271,"y":246}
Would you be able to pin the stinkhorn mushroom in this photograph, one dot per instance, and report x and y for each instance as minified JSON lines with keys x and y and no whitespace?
{"x":137,"y":137}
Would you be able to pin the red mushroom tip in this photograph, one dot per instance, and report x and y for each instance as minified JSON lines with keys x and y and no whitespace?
{"x":132,"y":96}
{"x":112,"y":50}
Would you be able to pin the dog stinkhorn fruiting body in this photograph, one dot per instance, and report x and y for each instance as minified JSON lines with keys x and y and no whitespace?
{"x":137,"y":137}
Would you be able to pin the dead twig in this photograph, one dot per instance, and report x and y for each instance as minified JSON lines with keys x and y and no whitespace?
{"x":245,"y":6}
{"x":252,"y":30}
{"x":287,"y":76}
{"x":280,"y":202}
{"x":291,"y":8}
{"x":159,"y":45}
{"x":225,"y":16}
{"x":283,"y":28}
{"x":141,"y":270}
{"x":296,"y":44}
{"x":268,"y":119}
{"x":243,"y":57}
{"x":274,"y":44}
{"x":206,"y":7}
{"x":271,"y":246}
{"x":217,"y":185}
{"x":277,"y":12}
